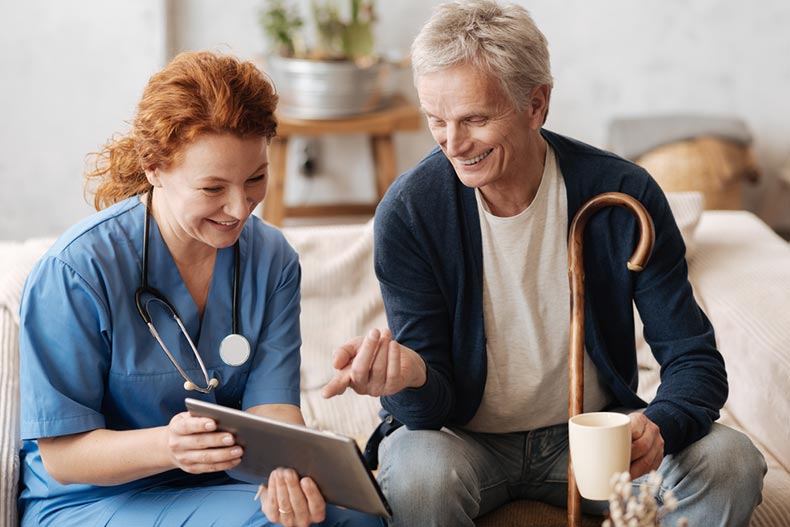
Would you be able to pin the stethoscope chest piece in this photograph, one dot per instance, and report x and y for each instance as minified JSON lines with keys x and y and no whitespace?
{"x":234,"y":350}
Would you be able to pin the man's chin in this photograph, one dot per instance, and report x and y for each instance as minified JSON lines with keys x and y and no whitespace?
{"x":472,"y":179}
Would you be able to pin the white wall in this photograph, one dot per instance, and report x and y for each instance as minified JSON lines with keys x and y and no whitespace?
{"x":618,"y":57}
{"x":72,"y":72}
{"x":70,"y":75}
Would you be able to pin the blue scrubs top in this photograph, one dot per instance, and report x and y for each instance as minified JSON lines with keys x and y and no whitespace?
{"x":88,"y":361}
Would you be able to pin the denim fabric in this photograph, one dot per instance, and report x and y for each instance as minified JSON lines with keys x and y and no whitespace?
{"x":451,"y":476}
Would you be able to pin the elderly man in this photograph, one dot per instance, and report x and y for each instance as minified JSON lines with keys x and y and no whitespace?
{"x":471,"y":255}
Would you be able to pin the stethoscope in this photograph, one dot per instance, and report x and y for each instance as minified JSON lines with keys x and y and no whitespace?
{"x":234,"y":348}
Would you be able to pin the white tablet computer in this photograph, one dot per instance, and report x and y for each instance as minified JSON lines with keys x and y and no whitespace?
{"x":333,"y":461}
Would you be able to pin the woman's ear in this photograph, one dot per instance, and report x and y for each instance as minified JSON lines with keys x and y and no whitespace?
{"x":152,"y":175}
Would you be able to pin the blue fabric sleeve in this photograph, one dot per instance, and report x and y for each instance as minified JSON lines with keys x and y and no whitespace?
{"x":64,"y":357}
{"x":274,"y":376}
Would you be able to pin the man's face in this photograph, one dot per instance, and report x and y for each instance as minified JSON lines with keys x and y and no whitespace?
{"x":484,"y":136}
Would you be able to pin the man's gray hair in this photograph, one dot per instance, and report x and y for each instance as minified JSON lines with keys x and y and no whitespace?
{"x":501,"y":39}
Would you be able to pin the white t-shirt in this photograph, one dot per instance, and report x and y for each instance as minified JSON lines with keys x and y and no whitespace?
{"x":526,"y":312}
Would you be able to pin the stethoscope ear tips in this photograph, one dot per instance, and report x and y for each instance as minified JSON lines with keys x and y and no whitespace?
{"x":213,"y":383}
{"x":190,"y":386}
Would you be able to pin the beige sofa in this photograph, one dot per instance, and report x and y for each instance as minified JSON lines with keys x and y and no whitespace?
{"x":739,"y":268}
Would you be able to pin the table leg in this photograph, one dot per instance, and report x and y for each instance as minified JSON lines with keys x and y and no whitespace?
{"x":274,"y":203}
{"x":384,"y":161}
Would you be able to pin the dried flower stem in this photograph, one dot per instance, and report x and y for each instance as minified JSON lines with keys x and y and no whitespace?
{"x":627,"y":510}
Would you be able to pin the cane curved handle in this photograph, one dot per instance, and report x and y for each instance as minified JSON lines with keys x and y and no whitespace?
{"x":636,"y":263}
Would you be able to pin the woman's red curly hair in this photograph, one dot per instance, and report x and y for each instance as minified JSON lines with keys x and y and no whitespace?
{"x":197,"y":93}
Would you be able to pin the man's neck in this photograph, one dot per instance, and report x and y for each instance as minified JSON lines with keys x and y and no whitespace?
{"x":510,"y":196}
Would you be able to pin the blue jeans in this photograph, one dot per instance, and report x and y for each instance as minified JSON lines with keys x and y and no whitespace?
{"x":450,"y":477}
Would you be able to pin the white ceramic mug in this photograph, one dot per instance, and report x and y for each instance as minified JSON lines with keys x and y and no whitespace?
{"x":600,"y":445}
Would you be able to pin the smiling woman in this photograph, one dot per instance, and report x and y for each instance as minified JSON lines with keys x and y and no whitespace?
{"x":203,"y":200}
{"x":176,"y":196}
{"x":212,"y":94}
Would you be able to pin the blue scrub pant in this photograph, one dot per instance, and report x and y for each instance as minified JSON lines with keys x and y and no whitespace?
{"x":215,"y":504}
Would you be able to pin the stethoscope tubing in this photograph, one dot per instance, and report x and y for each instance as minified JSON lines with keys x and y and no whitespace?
{"x":144,"y":288}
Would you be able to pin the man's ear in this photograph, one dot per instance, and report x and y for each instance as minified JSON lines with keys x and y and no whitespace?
{"x":539,"y":105}
{"x":152,"y":175}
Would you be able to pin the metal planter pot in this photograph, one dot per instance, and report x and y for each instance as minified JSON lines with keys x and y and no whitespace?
{"x":323,"y":89}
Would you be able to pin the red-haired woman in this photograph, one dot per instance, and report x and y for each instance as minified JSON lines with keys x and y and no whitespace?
{"x":172,"y":289}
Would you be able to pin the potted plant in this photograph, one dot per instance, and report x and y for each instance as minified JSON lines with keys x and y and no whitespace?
{"x":339,"y":74}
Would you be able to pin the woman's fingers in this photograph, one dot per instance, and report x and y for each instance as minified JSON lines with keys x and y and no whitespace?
{"x":292,"y":505}
{"x":315,"y":501}
{"x":296,"y":497}
{"x":269,"y":498}
{"x":208,"y":460}
{"x":284,"y":507}
{"x":196,"y":447}
{"x":292,"y":502}
{"x":196,"y":432}
{"x":185,"y":423}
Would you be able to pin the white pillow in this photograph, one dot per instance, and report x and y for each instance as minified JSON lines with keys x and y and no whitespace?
{"x":687,"y":208}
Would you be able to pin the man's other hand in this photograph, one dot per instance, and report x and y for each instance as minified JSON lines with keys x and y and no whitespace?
{"x":647,"y":445}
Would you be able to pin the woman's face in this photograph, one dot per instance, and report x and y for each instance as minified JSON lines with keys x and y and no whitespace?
{"x":208,"y":195}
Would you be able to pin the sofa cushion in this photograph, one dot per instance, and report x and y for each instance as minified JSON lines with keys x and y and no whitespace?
{"x":687,"y":209}
{"x":16,"y":260}
{"x":775,"y":508}
{"x":9,"y":417}
{"x":340,"y":299}
{"x":741,"y":269}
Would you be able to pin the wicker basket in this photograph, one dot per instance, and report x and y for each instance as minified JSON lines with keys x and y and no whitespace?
{"x":716,"y":167}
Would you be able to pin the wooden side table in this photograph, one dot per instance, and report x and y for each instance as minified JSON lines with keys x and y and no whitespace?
{"x":379,"y":126}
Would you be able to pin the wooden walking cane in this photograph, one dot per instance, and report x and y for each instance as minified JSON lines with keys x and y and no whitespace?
{"x":576,"y":276}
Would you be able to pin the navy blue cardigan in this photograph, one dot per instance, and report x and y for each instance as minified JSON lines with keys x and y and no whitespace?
{"x":428,"y":259}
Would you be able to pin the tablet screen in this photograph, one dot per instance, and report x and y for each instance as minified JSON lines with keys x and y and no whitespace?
{"x":333,"y":461}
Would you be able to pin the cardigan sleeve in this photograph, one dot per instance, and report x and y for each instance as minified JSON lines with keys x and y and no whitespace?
{"x":417,"y":314}
{"x":693,"y":384}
